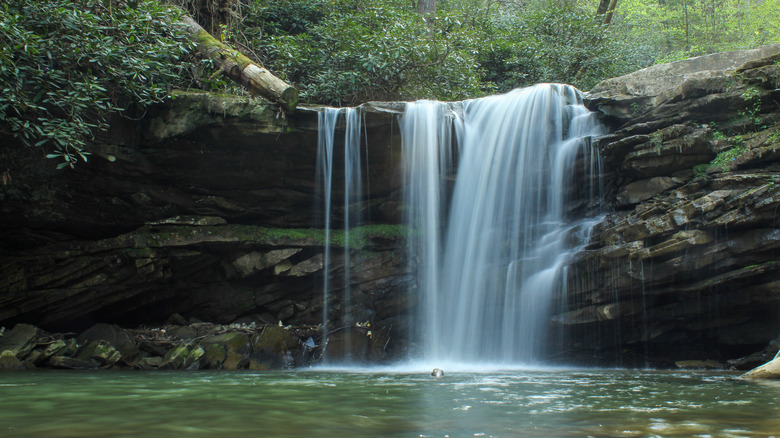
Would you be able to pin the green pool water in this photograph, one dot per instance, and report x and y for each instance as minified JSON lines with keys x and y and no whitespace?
{"x":384,"y":403}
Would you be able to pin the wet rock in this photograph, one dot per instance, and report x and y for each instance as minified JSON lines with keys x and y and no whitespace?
{"x":307,"y":267}
{"x":699,"y":364}
{"x":150,"y":363}
{"x":257,"y":261}
{"x":100,"y":352}
{"x":352,"y":345}
{"x":190,"y":220}
{"x":114,"y":336}
{"x":185,"y":332}
{"x":54,"y":348}
{"x":72,"y":363}
{"x":20,"y":340}
{"x":271,"y":349}
{"x":756,"y":359}
{"x":214,"y":356}
{"x":204,"y":328}
{"x":645,"y":189}
{"x":182,"y":356}
{"x":8,"y":361}
{"x":234,"y":346}
{"x":770,"y":370}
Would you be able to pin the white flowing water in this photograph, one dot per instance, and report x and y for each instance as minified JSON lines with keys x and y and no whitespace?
{"x":353,"y":197}
{"x":489,"y":258}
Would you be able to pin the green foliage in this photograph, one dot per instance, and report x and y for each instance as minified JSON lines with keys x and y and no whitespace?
{"x":752,"y":112}
{"x":657,"y":140}
{"x":723,"y":160}
{"x":66,"y":65}
{"x":672,"y":30}
{"x":562,"y":42}
{"x":350,"y":51}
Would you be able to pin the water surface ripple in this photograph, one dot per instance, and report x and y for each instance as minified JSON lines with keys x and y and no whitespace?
{"x":550,"y":403}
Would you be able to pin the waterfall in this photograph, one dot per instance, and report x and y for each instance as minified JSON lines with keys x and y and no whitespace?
{"x":352,"y":199}
{"x":488,"y":258}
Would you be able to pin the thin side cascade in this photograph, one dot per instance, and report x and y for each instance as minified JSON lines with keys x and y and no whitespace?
{"x":326,"y":128}
{"x":352,"y":200}
{"x":489,"y":260}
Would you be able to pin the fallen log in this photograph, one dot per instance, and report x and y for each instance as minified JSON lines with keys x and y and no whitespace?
{"x":236,"y":66}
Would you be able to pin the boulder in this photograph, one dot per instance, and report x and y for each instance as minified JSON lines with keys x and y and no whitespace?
{"x":20,"y":340}
{"x":183,"y":356}
{"x":769,"y":370}
{"x":72,"y":363}
{"x":234,"y":346}
{"x":351,"y":345}
{"x":8,"y":361}
{"x":150,"y":363}
{"x":184,"y":332}
{"x":271,"y":348}
{"x":101,"y":352}
{"x":214,"y":356}
{"x":114,"y":337}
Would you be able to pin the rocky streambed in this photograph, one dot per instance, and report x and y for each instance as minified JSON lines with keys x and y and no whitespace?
{"x":182,"y":345}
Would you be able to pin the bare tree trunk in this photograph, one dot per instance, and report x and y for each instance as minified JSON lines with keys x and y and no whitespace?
{"x":236,"y":66}
{"x":610,"y":11}
{"x":603,"y":6}
{"x":426,"y":8}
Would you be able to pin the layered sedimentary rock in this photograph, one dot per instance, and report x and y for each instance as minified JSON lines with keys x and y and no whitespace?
{"x":686,"y":265}
{"x":205,"y":207}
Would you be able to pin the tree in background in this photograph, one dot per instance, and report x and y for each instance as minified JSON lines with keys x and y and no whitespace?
{"x":678,"y":29}
{"x":426,"y":7}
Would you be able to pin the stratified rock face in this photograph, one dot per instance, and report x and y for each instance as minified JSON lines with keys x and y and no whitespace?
{"x":203,"y":208}
{"x":686,"y":267}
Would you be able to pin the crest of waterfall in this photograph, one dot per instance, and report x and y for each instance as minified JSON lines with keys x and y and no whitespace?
{"x":489,"y":258}
{"x":353,"y":196}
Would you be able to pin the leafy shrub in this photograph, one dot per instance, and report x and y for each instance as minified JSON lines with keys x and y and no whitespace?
{"x":65,"y":65}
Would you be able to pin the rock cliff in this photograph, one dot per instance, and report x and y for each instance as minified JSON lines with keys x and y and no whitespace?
{"x":205,"y":206}
{"x":686,"y":264}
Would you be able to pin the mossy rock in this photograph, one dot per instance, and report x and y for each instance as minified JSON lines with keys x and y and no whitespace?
{"x":8,"y":361}
{"x":213,"y":356}
{"x":274,"y":339}
{"x":236,"y":346}
{"x":182,"y":356}
{"x":20,"y":340}
{"x":150,"y":363}
{"x":272,"y":349}
{"x":101,"y":352}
